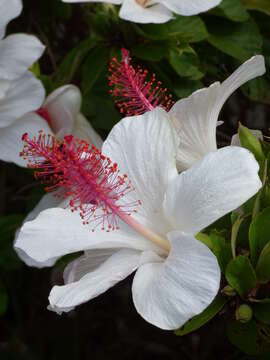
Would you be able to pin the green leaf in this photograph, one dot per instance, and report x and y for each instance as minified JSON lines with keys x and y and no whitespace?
{"x":221,"y":249}
{"x":185,"y":64}
{"x":263,"y":265}
{"x":93,"y":67}
{"x":3,"y":299}
{"x":246,"y":337}
{"x":235,"y":230}
{"x":234,"y":10}
{"x":199,"y":320}
{"x":249,"y":141}
{"x":190,"y":29}
{"x":185,"y":87}
{"x":259,"y":234}
{"x":258,"y":90}
{"x":239,"y":40}
{"x":262,"y":312}
{"x":150,"y":51}
{"x":241,"y":275}
{"x":205,"y":239}
{"x":73,"y":60}
{"x":259,"y":5}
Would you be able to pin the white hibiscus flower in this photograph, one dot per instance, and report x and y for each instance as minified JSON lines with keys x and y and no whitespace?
{"x":176,"y":276}
{"x":156,"y":11}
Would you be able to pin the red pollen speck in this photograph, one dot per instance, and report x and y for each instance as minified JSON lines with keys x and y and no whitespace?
{"x":81,"y":173}
{"x":134,"y":94}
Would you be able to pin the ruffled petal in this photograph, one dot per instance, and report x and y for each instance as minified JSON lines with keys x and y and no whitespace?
{"x":63,"y":105}
{"x":17,"y":53}
{"x":195,"y":118}
{"x":134,"y":12}
{"x":84,"y":130}
{"x":144,"y":148}
{"x":11,"y":143}
{"x":189,"y":7}
{"x":218,"y":184}
{"x":57,"y":232}
{"x":9,"y":9}
{"x":170,"y":293}
{"x":116,"y":268}
{"x":24,"y":95}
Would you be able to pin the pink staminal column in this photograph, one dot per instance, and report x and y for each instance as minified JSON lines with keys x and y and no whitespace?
{"x":73,"y":169}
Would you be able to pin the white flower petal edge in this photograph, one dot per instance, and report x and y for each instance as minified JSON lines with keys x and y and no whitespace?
{"x":17,"y":53}
{"x":24,"y":95}
{"x":218,"y":184}
{"x":132,"y":11}
{"x":150,"y":165}
{"x":9,"y":9}
{"x":189,"y":7}
{"x":116,"y":268}
{"x":11,"y":143}
{"x":83,"y":129}
{"x":195,"y":118}
{"x":43,"y":239}
{"x":116,"y":2}
{"x":170,"y":293}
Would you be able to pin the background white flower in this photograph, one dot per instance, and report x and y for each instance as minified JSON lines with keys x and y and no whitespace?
{"x":20,"y":91}
{"x":167,"y":291}
{"x":156,"y":11}
{"x":195,"y":118}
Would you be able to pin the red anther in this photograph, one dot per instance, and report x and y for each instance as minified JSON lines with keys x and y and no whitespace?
{"x":134,"y":94}
{"x":81,"y":173}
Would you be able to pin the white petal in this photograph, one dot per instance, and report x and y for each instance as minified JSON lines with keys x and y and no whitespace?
{"x":11,"y":143}
{"x":25,"y":94}
{"x":84,"y":130}
{"x":86,"y":263}
{"x":9,"y":9}
{"x":132,"y":11}
{"x":218,"y":184}
{"x":46,"y":202}
{"x":144,"y":149}
{"x":170,"y":293}
{"x":236,"y":140}
{"x":195,"y":118}
{"x":4,"y":87}
{"x":116,"y":2}
{"x":63,"y":106}
{"x":189,"y":7}
{"x":57,"y":232}
{"x":17,"y":53}
{"x":116,"y":268}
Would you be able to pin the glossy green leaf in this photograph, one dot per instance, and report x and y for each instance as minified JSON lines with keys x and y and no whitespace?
{"x":263,"y":265}
{"x":199,"y":320}
{"x":239,"y":40}
{"x":185,"y":64}
{"x":259,"y":234}
{"x":241,"y":275}
{"x":259,"y":5}
{"x":258,"y":90}
{"x":234,"y":10}
{"x":221,"y":249}
{"x":150,"y":51}
{"x":249,"y":141}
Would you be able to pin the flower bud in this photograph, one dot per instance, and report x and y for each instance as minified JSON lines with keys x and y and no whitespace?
{"x":243,"y":313}
{"x":228,"y":290}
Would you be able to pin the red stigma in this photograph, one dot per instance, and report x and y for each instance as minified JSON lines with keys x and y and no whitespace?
{"x":81,"y":173}
{"x":135,"y":94}
{"x":44,"y":114}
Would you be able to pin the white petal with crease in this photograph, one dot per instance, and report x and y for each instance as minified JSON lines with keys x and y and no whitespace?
{"x":9,"y":9}
{"x":218,"y":184}
{"x":150,"y":165}
{"x":189,"y":7}
{"x":170,"y":293}
{"x":116,"y":268}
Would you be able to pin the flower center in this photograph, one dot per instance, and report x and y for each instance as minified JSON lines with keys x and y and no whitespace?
{"x":89,"y":179}
{"x":143,"y":3}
